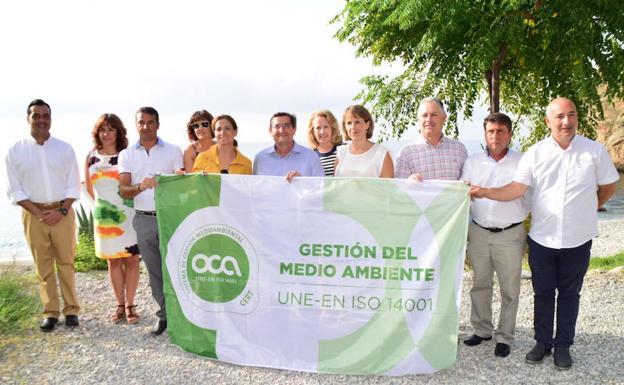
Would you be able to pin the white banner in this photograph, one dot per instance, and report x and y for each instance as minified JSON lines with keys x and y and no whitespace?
{"x":338,"y":275}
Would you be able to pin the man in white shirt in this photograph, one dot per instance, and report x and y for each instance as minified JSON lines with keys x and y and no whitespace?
{"x":570,"y":177}
{"x":432,"y":155}
{"x":43,"y":179}
{"x":138,"y":166}
{"x":496,"y":237}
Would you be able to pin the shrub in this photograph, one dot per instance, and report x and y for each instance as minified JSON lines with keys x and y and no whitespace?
{"x":85,"y":254}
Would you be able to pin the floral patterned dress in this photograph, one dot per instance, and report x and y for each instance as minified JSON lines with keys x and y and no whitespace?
{"x":112,"y":216}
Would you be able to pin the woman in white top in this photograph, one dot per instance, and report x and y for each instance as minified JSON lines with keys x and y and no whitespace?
{"x":361,"y":157}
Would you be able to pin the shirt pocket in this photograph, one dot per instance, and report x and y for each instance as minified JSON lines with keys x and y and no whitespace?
{"x":583,"y":174}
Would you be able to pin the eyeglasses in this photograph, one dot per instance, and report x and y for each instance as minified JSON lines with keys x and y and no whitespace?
{"x":195,"y":126}
{"x":284,"y":126}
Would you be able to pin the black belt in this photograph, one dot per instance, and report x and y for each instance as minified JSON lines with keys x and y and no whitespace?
{"x":497,"y":229}
{"x":150,"y":213}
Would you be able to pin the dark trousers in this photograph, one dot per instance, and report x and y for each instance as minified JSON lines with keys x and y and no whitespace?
{"x":560,"y":270}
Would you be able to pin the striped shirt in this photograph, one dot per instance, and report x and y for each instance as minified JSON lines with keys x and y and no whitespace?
{"x":328,"y":160}
{"x":443,"y":161}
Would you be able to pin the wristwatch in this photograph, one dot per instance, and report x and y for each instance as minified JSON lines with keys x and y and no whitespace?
{"x":63,"y":210}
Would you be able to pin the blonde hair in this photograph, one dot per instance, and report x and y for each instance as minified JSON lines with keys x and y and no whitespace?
{"x":336,"y":138}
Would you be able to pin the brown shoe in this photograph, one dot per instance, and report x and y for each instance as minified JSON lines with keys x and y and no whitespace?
{"x":131,"y":314}
{"x":119,"y":314}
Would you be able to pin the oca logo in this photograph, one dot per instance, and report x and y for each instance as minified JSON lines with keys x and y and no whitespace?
{"x":217,"y":267}
{"x":227,"y":265}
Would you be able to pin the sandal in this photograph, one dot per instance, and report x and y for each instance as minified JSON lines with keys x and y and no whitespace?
{"x":131,"y":315}
{"x":119,"y":314}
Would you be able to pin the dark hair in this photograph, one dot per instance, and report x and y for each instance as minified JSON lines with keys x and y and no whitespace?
{"x":229,"y":119}
{"x":361,"y":112}
{"x":196,"y":117}
{"x":38,"y":102}
{"x":148,"y":110}
{"x":114,"y":122}
{"x":497,"y":117}
{"x":293,"y":118}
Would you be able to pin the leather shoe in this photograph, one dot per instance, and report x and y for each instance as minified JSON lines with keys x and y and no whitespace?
{"x":47,"y":325}
{"x":161,"y":326}
{"x":563,"y":360}
{"x":502,"y":350}
{"x":71,"y":320}
{"x":537,"y":354}
{"x":475,"y":340}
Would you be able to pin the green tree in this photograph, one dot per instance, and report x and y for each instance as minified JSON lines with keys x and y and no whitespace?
{"x":520,"y":53}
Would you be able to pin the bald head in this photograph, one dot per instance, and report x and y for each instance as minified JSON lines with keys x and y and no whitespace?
{"x":562,"y":119}
{"x":558,"y":103}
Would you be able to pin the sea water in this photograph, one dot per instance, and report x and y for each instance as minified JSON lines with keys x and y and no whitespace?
{"x":13,"y":244}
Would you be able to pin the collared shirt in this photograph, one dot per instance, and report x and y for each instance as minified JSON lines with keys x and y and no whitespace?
{"x":564,"y":202}
{"x":46,"y":173}
{"x":481,"y":170}
{"x":443,"y":161}
{"x":208,"y":161}
{"x":163,"y":158}
{"x":301,"y":159}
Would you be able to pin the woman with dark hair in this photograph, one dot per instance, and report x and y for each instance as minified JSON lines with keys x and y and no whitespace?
{"x":323,"y":137}
{"x":361,"y":157}
{"x":200,"y":136}
{"x":115,"y":239}
{"x":223,"y":158}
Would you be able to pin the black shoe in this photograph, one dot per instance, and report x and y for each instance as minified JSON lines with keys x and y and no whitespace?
{"x":47,"y":325}
{"x":537,"y":354}
{"x":71,"y":320}
{"x":161,"y":326}
{"x":563,"y":360}
{"x":475,"y":340}
{"x":502,"y":350}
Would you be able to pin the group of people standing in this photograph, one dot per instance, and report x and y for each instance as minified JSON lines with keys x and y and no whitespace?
{"x":561,"y":180}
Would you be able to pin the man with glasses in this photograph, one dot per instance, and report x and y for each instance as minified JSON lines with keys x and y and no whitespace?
{"x":286,"y":157}
{"x":138,"y":166}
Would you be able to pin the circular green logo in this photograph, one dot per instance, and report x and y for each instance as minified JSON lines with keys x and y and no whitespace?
{"x":217,"y":268}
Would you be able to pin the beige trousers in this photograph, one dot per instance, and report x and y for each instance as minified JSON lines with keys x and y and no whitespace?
{"x":499,"y":253}
{"x":50,"y":246}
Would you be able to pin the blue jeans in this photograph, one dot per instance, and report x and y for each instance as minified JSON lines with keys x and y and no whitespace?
{"x":560,"y":270}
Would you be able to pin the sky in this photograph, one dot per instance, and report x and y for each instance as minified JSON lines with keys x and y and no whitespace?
{"x":248,"y":59}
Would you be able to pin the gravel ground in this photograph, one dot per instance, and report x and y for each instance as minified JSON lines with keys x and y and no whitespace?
{"x":610,"y":240}
{"x":99,"y":352}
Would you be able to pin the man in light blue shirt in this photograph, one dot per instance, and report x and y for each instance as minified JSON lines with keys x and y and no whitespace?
{"x":286,"y":157}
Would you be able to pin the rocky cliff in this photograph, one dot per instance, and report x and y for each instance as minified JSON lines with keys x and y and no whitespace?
{"x":611,"y":131}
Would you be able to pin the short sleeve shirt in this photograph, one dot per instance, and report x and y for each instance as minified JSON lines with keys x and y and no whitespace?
{"x":564,"y":184}
{"x":163,"y":158}
{"x":443,"y":161}
{"x":481,"y":170}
